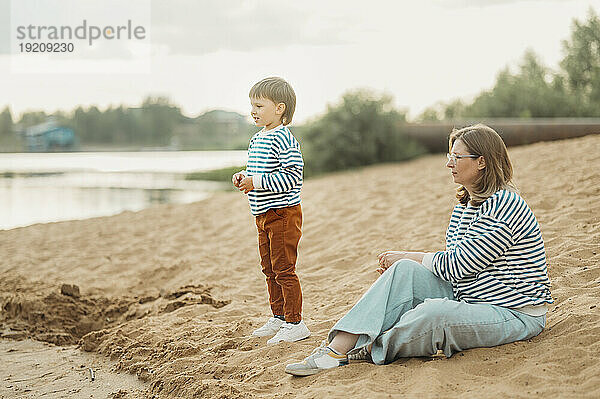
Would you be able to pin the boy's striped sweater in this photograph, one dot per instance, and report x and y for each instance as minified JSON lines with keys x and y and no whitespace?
{"x":275,"y":164}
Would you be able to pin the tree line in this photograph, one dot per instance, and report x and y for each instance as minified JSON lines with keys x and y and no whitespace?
{"x":536,"y":91}
{"x":155,"y":123}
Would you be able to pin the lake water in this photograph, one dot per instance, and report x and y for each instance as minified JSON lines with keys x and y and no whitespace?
{"x":48,"y":187}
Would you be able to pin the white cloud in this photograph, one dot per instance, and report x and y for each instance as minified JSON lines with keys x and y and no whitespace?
{"x":200,"y":27}
{"x":4,"y":26}
{"x":486,"y":3}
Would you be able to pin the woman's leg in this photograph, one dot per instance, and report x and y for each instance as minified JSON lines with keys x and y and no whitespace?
{"x":343,"y":342}
{"x":452,"y":326}
{"x":402,"y":287}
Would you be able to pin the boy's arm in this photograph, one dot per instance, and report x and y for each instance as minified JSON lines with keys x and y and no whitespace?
{"x":287,"y":178}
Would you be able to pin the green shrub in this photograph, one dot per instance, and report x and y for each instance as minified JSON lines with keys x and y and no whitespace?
{"x":363,"y":129}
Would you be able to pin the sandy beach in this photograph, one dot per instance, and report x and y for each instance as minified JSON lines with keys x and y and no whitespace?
{"x":171,"y":294}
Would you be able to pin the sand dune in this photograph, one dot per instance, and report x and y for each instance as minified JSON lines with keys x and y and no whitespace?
{"x":172,"y":293}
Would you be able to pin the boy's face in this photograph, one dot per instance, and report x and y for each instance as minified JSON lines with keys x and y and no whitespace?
{"x":266,"y":113}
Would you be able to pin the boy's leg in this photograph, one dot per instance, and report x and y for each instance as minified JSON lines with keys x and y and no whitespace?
{"x":453,"y":326}
{"x":284,"y":228}
{"x":264,"y":249}
{"x":403,"y":286}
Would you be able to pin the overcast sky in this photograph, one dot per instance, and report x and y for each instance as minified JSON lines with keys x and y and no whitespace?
{"x":207,"y":54}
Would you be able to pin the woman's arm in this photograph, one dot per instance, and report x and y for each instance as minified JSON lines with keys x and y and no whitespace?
{"x":487,"y":239}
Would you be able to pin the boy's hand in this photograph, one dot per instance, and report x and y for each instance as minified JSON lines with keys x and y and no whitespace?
{"x":237,"y":178}
{"x":246,"y":185}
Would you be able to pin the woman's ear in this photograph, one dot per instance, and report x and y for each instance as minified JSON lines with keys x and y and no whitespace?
{"x":480,"y":163}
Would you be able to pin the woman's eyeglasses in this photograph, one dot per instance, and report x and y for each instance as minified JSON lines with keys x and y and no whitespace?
{"x":454,"y":157}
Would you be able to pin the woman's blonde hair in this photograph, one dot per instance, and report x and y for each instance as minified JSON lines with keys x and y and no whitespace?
{"x":279,"y":91}
{"x":482,"y":140}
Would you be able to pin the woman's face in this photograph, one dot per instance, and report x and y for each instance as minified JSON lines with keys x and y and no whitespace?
{"x":465,"y":170}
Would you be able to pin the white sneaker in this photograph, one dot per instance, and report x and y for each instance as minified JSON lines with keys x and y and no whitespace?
{"x":290,"y":332}
{"x":322,"y":358}
{"x":270,"y":328}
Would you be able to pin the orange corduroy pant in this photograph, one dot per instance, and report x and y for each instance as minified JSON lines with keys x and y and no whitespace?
{"x":279,"y":231}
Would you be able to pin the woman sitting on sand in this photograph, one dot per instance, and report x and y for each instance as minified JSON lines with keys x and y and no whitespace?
{"x":489,"y":287}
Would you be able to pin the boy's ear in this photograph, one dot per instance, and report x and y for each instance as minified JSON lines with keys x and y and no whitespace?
{"x":280,"y":109}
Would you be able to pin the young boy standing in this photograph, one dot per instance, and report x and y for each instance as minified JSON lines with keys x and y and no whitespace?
{"x":272,"y":180}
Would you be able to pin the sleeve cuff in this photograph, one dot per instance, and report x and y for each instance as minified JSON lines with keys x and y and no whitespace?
{"x":256,"y":180}
{"x":428,"y":261}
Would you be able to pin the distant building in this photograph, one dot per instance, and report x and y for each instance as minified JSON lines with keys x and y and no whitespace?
{"x":214,"y":130}
{"x":48,"y":136}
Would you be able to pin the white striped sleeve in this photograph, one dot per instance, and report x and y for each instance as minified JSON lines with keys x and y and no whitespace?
{"x":290,"y":174}
{"x":256,"y":180}
{"x":428,"y":261}
{"x":487,"y":239}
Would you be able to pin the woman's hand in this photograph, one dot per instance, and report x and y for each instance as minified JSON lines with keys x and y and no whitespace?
{"x":388,"y":258}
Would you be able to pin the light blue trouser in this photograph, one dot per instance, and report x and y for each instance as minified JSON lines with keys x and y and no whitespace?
{"x":409,"y":311}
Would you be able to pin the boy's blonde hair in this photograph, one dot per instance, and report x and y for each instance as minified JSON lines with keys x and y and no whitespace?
{"x":279,"y":91}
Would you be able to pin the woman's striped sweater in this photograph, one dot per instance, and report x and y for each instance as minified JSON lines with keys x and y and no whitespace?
{"x":495,"y":254}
